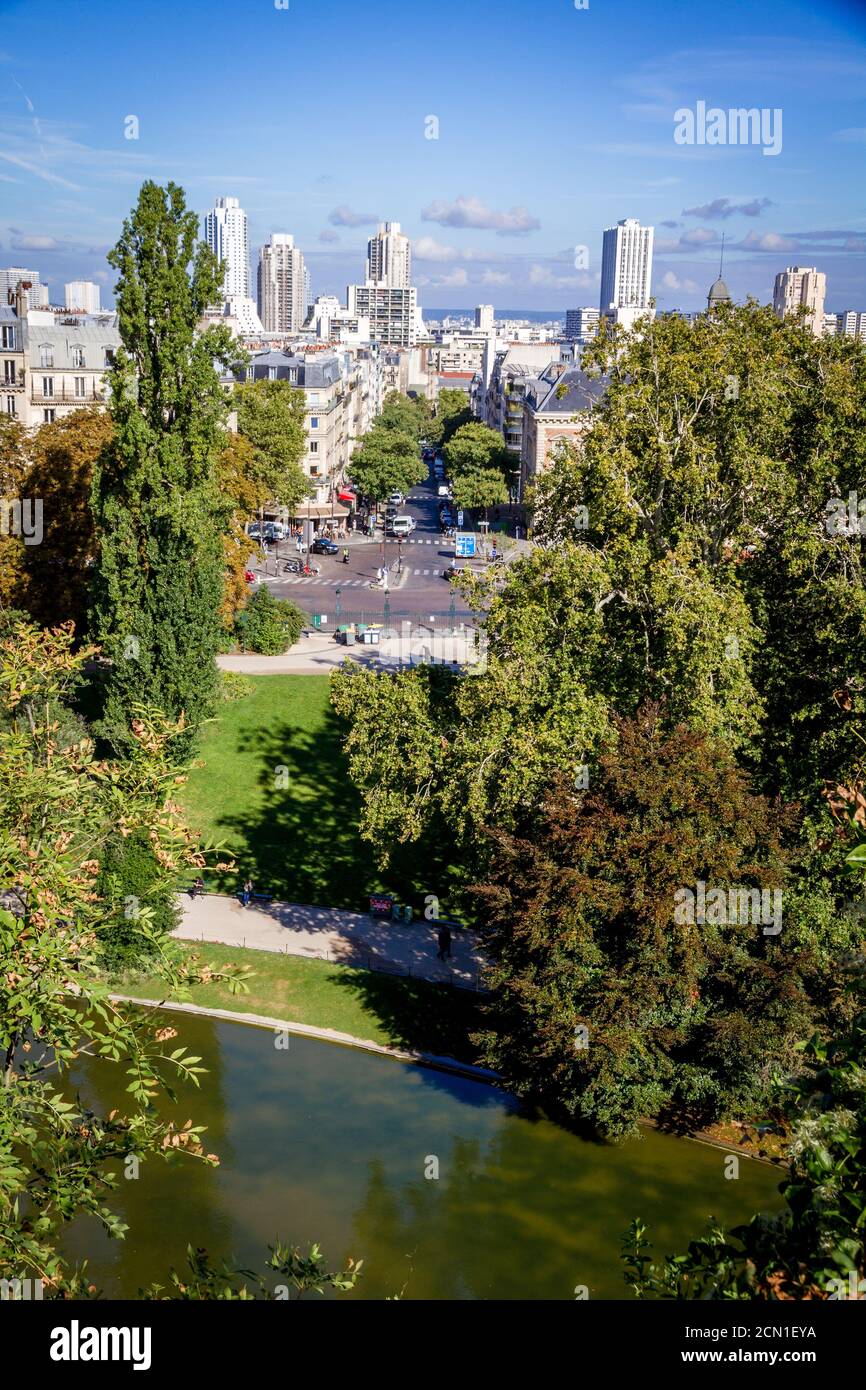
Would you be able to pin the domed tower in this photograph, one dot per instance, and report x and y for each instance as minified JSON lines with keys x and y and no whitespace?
{"x":719,"y":292}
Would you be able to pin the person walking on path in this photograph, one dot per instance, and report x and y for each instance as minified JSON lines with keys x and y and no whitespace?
{"x":247,"y":892}
{"x":444,"y":939}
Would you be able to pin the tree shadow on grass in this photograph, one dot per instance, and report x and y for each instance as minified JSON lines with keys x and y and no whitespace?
{"x":418,"y":1015}
{"x":299,"y":839}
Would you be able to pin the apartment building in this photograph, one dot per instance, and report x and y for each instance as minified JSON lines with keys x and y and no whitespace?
{"x":12,"y":364}
{"x":282,"y":285}
{"x":801,"y":287}
{"x":67,"y":356}
{"x":82,"y":296}
{"x":849,"y":324}
{"x":626,"y":272}
{"x":557,"y":406}
{"x":226,"y":232}
{"x":497,"y":395}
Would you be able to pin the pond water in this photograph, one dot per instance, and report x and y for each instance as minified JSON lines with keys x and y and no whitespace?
{"x":330,"y":1144}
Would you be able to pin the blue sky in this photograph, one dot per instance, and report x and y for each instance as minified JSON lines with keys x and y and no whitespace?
{"x":553,"y":123}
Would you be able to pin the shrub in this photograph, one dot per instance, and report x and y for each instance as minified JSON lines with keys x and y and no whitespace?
{"x":234,"y":686}
{"x":269,"y":625}
{"x":131,"y":881}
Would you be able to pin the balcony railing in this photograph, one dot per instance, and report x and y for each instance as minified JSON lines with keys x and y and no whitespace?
{"x":68,"y":398}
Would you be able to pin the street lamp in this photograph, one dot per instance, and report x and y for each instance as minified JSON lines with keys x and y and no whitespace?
{"x":337,"y":608}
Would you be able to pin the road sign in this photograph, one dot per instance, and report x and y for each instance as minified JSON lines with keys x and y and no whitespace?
{"x":460,"y":517}
{"x":464,"y":544}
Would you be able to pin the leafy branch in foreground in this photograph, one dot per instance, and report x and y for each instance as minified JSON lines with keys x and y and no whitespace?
{"x":59,"y":806}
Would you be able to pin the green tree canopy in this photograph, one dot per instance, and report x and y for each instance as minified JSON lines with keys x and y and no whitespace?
{"x":386,"y":460}
{"x":476,"y":448}
{"x":159,"y":577}
{"x":272,"y":416}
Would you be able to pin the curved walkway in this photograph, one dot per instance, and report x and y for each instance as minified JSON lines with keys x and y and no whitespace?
{"x":331,"y":933}
{"x":427,"y":1059}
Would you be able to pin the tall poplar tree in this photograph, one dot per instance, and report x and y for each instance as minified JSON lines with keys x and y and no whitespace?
{"x":158,"y":583}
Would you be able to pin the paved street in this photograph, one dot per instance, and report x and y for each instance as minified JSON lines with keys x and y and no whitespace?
{"x":346,"y":938}
{"x":420,"y":588}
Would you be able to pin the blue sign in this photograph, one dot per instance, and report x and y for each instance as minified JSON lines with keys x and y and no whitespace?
{"x":460,"y":517}
{"x":464,"y":544}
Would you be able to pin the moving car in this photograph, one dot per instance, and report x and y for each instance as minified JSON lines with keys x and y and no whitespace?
{"x":323,"y":545}
{"x":444,"y":490}
{"x":400,"y":525}
{"x":396,"y":499}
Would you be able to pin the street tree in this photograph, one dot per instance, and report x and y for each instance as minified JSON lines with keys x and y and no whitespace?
{"x":272,"y":416}
{"x":386,"y":460}
{"x":476,"y":448}
{"x":480,"y":488}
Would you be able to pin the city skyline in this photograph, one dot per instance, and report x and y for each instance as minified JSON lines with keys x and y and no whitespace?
{"x":504,"y":175}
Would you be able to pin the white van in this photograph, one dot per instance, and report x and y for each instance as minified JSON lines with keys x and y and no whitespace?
{"x":401,"y":525}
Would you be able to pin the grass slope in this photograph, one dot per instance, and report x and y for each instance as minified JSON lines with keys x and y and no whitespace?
{"x":397,"y":1012}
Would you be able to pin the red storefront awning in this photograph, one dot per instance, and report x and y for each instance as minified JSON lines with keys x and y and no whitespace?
{"x":344,"y":495}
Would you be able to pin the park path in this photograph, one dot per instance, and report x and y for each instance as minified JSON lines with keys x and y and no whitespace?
{"x":331,"y":933}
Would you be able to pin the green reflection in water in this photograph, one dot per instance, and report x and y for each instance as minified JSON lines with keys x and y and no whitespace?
{"x":325,"y":1143}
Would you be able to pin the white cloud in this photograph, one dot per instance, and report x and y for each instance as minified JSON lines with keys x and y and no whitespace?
{"x":471,"y":212}
{"x":496,"y":277}
{"x":427,"y":248}
{"x":673,"y":282}
{"x":767,"y":241}
{"x":344,"y":216}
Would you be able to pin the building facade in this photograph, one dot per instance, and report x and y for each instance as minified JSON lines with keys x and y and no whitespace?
{"x":850,"y":324}
{"x":226,"y":233}
{"x":14,"y":275}
{"x":389,"y":257}
{"x":801,"y":287}
{"x":282,"y":285}
{"x":558,"y":407}
{"x":67,"y":358}
{"x":392,"y":312}
{"x":82,"y":296}
{"x":581,"y":324}
{"x":626,"y":271}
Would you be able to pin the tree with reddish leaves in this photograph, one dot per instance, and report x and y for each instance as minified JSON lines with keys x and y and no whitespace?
{"x":603,"y":1003}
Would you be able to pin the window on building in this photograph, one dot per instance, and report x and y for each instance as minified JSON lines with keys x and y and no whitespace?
{"x":314,"y":446}
{"x":78,"y":357}
{"x":312,"y":398}
{"x":8,"y":336}
{"x":46,"y":354}
{"x":10,"y":405}
{"x":48,"y":417}
{"x":48,"y":386}
{"x":314,"y":422}
{"x":80,"y":388}
{"x":9,"y":373}
{"x":109,"y":357}
{"x":314,"y":470}
{"x":272,"y":373}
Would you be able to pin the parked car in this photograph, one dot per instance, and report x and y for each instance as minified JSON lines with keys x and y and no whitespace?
{"x":396,"y":499}
{"x":323,"y":545}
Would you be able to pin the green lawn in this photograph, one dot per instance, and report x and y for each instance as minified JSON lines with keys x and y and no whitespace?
{"x":274,"y":791}
{"x":387,"y":1009}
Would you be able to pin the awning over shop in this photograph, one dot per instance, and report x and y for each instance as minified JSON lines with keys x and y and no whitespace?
{"x":320,"y":511}
{"x":346,"y":495}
